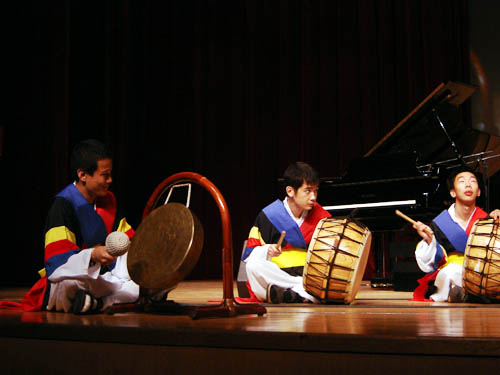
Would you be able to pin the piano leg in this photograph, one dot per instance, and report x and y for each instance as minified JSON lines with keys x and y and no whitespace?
{"x":382,"y":278}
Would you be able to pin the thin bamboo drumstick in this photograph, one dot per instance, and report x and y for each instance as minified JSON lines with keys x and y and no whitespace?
{"x":278,"y":244}
{"x":410,"y":220}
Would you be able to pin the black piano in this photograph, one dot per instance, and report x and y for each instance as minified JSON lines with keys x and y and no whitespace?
{"x":406,"y":170}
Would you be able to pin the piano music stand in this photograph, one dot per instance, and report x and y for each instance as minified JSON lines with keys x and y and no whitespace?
{"x":453,"y":93}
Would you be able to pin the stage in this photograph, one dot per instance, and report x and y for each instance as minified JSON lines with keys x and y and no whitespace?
{"x":380,"y":332}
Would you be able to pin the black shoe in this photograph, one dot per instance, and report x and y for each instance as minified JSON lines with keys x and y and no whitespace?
{"x":457,"y":294}
{"x":275,"y":294}
{"x":292,"y":297}
{"x":86,"y":303}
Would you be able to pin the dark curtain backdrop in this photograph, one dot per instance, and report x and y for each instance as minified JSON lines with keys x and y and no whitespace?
{"x":234,"y":90}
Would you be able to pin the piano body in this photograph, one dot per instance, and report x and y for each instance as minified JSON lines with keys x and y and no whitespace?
{"x":407,"y":169}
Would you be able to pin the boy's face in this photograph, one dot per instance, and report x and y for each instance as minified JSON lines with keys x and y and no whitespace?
{"x":305,"y":196}
{"x":97,"y":184}
{"x":465,"y":188}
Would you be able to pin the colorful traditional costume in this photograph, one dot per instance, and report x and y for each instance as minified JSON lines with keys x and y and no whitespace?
{"x":73,"y":228}
{"x":285,"y":270}
{"x":443,"y":258}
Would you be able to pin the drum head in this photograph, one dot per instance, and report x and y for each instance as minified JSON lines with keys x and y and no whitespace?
{"x":165,"y":247}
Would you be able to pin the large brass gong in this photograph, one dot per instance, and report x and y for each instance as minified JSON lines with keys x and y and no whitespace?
{"x":165,"y":247}
{"x":168,"y":243}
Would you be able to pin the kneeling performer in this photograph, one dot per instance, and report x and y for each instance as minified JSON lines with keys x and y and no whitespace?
{"x":441,"y":254}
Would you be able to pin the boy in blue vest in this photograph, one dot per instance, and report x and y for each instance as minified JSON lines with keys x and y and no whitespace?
{"x":80,"y":275}
{"x":441,"y":251}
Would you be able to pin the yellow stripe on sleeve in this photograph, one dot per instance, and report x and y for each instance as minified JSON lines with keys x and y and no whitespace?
{"x":58,"y":234}
{"x":123,"y":226}
{"x":255,"y":233}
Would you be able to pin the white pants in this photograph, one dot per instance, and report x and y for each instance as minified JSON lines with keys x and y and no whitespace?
{"x":262,"y":273}
{"x":113,"y":287}
{"x":446,"y":278}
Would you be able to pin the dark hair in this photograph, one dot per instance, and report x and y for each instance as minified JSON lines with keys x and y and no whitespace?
{"x":86,"y":154}
{"x":450,"y":181}
{"x":299,"y":172}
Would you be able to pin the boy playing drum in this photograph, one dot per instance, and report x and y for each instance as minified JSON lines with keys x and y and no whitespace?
{"x":279,"y":279}
{"x":441,"y":252}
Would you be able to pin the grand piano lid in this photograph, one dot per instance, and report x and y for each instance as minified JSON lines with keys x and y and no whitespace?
{"x":420,"y":132}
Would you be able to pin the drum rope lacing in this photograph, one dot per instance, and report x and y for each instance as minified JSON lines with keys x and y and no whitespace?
{"x":485,"y":289}
{"x":342,"y":236}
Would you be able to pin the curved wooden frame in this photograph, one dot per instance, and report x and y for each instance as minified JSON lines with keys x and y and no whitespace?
{"x":228,"y":307}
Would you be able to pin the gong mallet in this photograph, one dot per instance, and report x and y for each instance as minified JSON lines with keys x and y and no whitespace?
{"x":278,"y":244}
{"x":410,"y":220}
{"x":117,"y":243}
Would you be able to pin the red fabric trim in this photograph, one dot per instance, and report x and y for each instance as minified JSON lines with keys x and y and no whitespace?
{"x":130,"y":233}
{"x":241,"y":300}
{"x":309,"y":225}
{"x":59,"y":247}
{"x":32,"y":301}
{"x":10,"y":305}
{"x":478,"y":214}
{"x":419,"y":292}
{"x":252,"y":242}
{"x":106,"y":208}
{"x":252,"y":299}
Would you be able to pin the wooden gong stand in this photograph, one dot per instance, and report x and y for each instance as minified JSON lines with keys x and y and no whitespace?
{"x":229,"y":307}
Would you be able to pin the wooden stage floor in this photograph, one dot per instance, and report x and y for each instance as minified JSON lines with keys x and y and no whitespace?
{"x":381,"y":331}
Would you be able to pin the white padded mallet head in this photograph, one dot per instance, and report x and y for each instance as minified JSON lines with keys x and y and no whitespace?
{"x":117,"y":243}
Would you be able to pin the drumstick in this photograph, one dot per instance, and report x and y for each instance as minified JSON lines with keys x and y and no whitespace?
{"x":410,"y":220}
{"x":278,"y":244}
